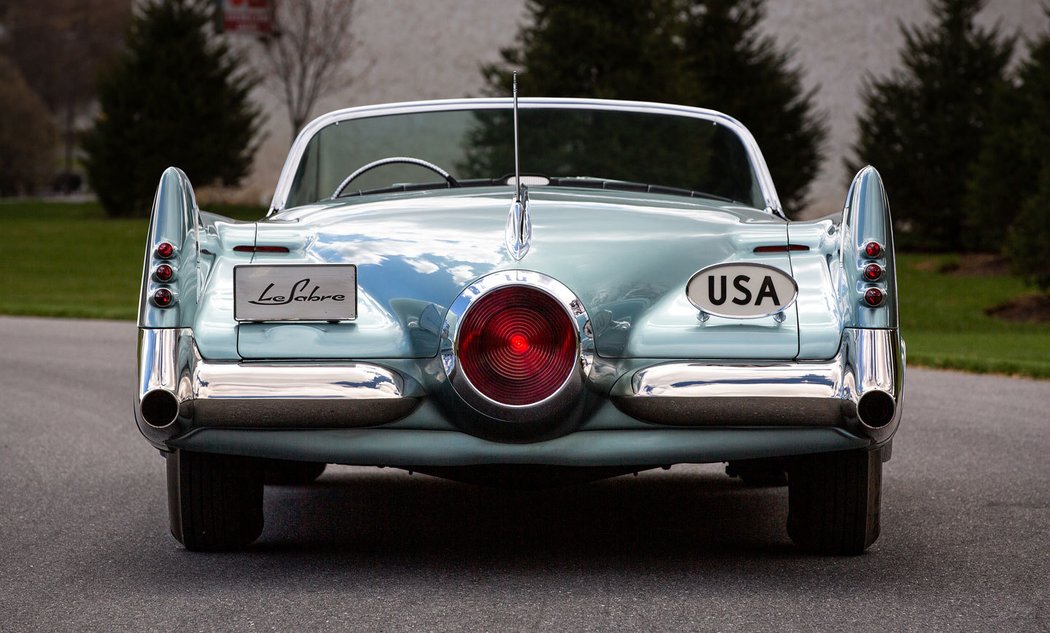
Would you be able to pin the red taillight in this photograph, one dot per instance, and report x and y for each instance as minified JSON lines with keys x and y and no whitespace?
{"x":873,"y":249}
{"x":873,"y":297}
{"x":163,"y":298}
{"x":164,"y":272}
{"x":872,"y":272}
{"x":165,"y":250}
{"x":517,"y":345}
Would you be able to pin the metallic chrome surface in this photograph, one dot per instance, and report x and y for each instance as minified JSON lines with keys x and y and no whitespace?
{"x":245,"y":394}
{"x":570,"y":390}
{"x":518,"y":234}
{"x":801,"y":393}
{"x":866,"y":219}
{"x":167,"y":360}
{"x":176,"y":219}
{"x":758,"y":164}
{"x":874,"y":360}
{"x":393,"y":160}
{"x":517,"y":169}
{"x":239,"y":381}
{"x":232,"y":394}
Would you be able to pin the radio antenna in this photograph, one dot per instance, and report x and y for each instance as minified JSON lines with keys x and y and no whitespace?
{"x":517,"y":171}
{"x":518,"y":234}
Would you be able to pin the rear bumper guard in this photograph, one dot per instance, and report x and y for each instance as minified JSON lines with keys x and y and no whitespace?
{"x":178,"y":390}
{"x":861,"y":389}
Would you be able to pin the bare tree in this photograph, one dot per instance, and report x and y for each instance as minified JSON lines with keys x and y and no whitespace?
{"x":60,"y":46}
{"x":306,"y":56}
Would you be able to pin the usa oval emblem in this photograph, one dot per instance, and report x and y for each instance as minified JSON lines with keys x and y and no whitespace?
{"x":741,"y":291}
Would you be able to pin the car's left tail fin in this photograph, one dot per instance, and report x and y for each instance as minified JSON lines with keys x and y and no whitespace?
{"x":168,"y":296}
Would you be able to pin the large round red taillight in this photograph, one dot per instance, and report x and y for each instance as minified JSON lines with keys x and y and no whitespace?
{"x":517,"y":345}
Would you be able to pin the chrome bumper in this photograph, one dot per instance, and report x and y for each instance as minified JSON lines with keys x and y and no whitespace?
{"x":861,"y":389}
{"x":178,"y":391}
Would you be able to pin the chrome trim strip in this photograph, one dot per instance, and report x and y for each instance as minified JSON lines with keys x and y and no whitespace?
{"x":230,"y":381}
{"x":821,"y":393}
{"x":758,"y":163}
{"x":560,"y":400}
{"x":517,"y":235}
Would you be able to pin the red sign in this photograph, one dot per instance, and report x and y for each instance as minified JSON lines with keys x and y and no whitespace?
{"x":251,"y":17}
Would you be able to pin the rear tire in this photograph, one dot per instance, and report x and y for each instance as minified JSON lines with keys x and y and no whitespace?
{"x":833,"y":501}
{"x":215,"y":502}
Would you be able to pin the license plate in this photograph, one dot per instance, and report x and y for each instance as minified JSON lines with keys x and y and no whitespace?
{"x":295,"y":292}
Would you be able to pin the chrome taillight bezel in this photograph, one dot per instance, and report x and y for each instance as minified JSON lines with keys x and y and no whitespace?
{"x":570,"y":388}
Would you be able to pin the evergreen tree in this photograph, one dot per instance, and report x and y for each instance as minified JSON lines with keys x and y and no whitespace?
{"x":706,"y":53}
{"x":999,"y":175}
{"x":606,"y":49}
{"x":1008,"y":206}
{"x":173,"y":98}
{"x":923,"y":125}
{"x":1028,"y":241}
{"x":744,"y":74}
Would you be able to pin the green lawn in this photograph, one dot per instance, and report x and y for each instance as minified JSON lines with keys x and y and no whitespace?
{"x":68,"y":259}
{"x":944,"y":324}
{"x":61,"y":259}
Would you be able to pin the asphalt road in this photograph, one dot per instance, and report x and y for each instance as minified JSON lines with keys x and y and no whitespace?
{"x":84,"y":542}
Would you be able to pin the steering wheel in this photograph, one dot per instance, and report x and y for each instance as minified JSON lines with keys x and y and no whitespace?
{"x":394,"y":160}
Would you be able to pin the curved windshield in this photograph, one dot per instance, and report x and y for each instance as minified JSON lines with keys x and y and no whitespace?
{"x":611,"y":149}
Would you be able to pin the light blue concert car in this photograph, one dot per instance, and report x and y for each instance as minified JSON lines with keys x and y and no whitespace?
{"x":632,"y":297}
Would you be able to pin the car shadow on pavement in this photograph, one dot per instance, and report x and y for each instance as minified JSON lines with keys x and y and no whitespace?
{"x":369,"y":512}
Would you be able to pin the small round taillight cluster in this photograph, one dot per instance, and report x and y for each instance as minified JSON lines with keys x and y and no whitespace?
{"x":163,"y":298}
{"x":517,"y":345}
{"x":164,"y":273}
{"x":873,"y":296}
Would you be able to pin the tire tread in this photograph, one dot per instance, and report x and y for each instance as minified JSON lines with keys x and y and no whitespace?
{"x":215,"y":501}
{"x":834,"y":501}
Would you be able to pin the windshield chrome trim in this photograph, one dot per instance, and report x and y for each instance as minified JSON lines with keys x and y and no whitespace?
{"x":758,"y":163}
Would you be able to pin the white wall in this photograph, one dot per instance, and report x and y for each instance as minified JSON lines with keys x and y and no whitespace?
{"x":427,"y":49}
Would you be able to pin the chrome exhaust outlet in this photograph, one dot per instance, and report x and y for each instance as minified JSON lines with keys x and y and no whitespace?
{"x":876,"y":408}
{"x":874,"y":388}
{"x":159,"y":408}
{"x":166,"y":363}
